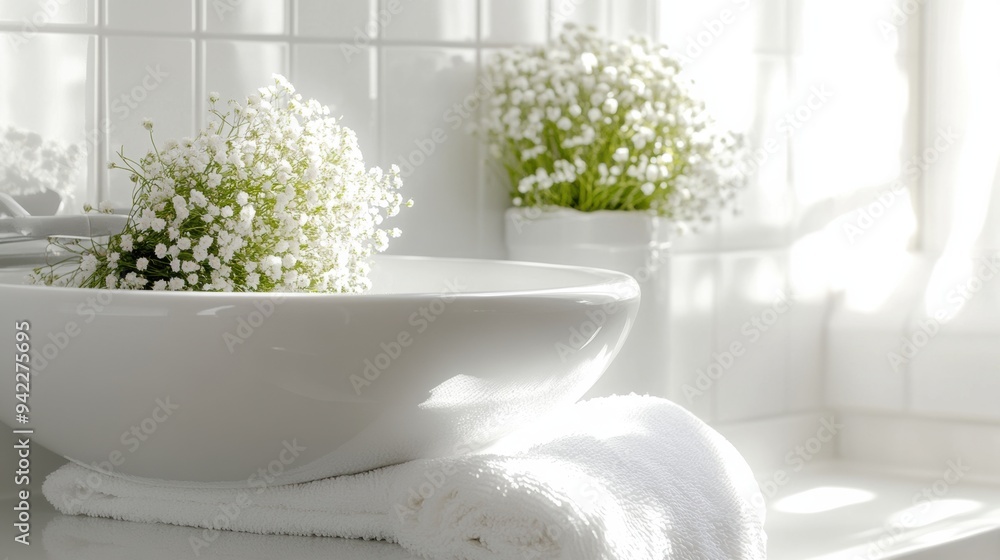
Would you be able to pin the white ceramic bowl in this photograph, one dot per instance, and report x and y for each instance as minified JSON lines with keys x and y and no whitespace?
{"x":443,"y":356}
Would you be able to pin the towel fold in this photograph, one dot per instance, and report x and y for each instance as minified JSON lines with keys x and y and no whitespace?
{"x":86,"y":538}
{"x":625,"y":477}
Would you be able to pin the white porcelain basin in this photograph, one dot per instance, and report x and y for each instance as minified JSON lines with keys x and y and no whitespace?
{"x":443,"y":356}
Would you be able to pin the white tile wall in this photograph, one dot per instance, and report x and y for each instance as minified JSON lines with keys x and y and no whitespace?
{"x":146,"y":78}
{"x":347,"y":82}
{"x":397,"y":68}
{"x":751,"y":313}
{"x":429,"y":20}
{"x":150,"y":15}
{"x":343,"y":19}
{"x":921,"y":443}
{"x":36,"y":16}
{"x":424,"y":134}
{"x":513,"y":21}
{"x":693,"y":279}
{"x":266,"y":17}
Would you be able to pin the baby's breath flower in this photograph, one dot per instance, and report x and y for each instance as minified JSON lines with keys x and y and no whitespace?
{"x":598,"y":124}
{"x":273,"y":196}
{"x":147,"y":124}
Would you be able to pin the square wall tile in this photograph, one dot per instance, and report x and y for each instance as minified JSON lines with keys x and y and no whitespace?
{"x":957,"y":374}
{"x":48,"y":86}
{"x":235,"y":69}
{"x":956,"y":367}
{"x":891,"y":27}
{"x":150,"y":15}
{"x":859,"y":373}
{"x":764,"y":210}
{"x":428,"y":20}
{"x":693,"y":280}
{"x":922,"y":443}
{"x":632,"y":17}
{"x":266,"y":17}
{"x":494,"y":197}
{"x":424,"y":132}
{"x":344,"y":19}
{"x":36,"y":14}
{"x":494,"y":200}
{"x":513,"y":21}
{"x":769,"y":444}
{"x":592,"y":13}
{"x":147,"y":78}
{"x":806,"y":353}
{"x":704,"y":240}
{"x":723,"y":27}
{"x":751,"y":351}
{"x":810,"y":267}
{"x":346,"y":82}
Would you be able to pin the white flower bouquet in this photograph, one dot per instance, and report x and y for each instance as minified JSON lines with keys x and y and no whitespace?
{"x":594,"y":124}
{"x":30,"y":164}
{"x":271,"y":196}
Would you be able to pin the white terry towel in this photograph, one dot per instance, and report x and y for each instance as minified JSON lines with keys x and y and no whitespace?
{"x":74,"y":537}
{"x":627,"y":477}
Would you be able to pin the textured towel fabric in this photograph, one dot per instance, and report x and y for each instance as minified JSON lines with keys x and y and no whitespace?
{"x":68,"y":537}
{"x":626,"y":477}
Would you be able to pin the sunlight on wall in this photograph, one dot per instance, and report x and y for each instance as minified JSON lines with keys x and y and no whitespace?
{"x":975,"y":177}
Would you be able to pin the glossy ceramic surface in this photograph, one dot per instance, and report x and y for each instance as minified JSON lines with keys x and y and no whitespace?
{"x":443,"y":356}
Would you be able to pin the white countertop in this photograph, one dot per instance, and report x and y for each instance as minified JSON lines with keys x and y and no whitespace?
{"x":861,"y":500}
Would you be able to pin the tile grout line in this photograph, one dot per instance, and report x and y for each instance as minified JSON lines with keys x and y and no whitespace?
{"x":103,"y":187}
{"x":480,"y":155}
{"x":291,"y":13}
{"x":379,"y":80}
{"x":199,"y":86}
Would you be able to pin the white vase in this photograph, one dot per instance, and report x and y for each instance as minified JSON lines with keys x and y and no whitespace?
{"x":635,"y":243}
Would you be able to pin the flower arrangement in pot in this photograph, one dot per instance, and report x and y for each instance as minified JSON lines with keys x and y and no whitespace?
{"x":607,"y":154}
{"x":41,"y":174}
{"x":272,"y":196}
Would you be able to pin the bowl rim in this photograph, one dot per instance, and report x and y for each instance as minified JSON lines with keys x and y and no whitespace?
{"x":618,"y":285}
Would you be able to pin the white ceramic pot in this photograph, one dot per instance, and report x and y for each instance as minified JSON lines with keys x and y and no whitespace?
{"x":635,"y":243}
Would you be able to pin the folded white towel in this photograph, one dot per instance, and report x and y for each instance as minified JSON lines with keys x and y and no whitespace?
{"x":628,"y":477}
{"x":68,"y":537}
